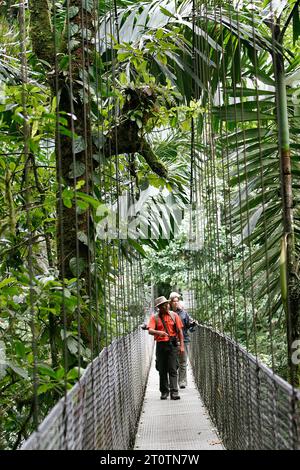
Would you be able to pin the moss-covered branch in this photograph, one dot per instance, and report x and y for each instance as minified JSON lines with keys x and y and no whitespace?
{"x":155,"y":164}
{"x":126,"y":137}
{"x":41,"y":30}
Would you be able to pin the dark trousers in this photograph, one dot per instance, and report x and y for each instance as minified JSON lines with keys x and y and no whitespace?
{"x":166,"y":364}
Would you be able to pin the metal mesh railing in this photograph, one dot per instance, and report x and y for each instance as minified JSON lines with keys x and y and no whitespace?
{"x":102,"y":410}
{"x":251,"y":406}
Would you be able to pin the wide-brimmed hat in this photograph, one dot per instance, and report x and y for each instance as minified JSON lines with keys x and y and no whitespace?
{"x":160,"y":300}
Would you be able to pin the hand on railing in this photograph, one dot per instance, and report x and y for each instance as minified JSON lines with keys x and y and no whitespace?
{"x":193,"y":324}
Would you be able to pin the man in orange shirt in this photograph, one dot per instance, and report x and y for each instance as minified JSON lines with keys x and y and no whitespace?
{"x":166,"y":328}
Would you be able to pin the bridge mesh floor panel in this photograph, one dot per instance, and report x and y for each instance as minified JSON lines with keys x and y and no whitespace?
{"x":175,"y":425}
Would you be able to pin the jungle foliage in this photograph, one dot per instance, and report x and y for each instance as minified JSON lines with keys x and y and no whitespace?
{"x":143,"y":96}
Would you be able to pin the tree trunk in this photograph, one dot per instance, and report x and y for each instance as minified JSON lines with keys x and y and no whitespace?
{"x":73,"y":104}
{"x":293,"y":292}
{"x":41,"y":32}
{"x":71,"y":224}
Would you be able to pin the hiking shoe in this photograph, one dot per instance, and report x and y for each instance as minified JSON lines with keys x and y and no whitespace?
{"x":175,"y":397}
{"x":181,"y":386}
{"x":164,"y":396}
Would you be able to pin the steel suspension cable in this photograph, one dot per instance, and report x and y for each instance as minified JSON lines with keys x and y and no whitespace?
{"x":27,"y":173}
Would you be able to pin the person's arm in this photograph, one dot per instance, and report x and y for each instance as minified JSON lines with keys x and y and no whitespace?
{"x":191,"y":323}
{"x":157,"y":332}
{"x":152,"y":330}
{"x":180,"y":332}
{"x":180,"y":335}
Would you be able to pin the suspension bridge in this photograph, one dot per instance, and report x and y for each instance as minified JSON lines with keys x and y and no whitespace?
{"x":148,"y":147}
{"x":251,"y":407}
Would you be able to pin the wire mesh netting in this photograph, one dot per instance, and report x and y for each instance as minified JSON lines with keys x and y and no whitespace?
{"x":252,"y":407}
{"x":102,"y":410}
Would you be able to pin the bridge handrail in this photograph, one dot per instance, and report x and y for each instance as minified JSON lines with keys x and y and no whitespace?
{"x":251,"y":406}
{"x":102,"y":409}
